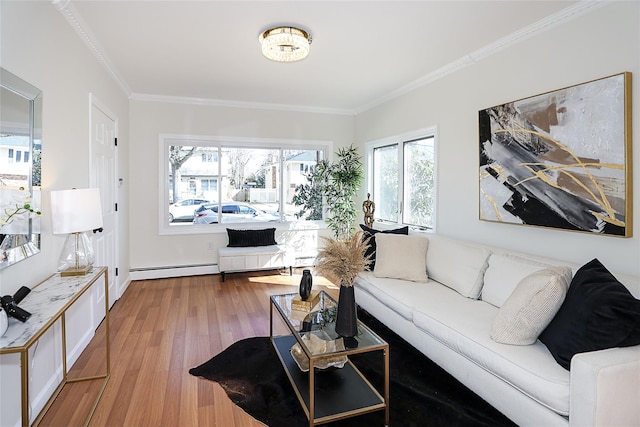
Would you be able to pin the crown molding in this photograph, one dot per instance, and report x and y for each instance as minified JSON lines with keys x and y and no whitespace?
{"x":237,"y":104}
{"x":552,"y":21}
{"x":71,"y":14}
{"x":73,"y":17}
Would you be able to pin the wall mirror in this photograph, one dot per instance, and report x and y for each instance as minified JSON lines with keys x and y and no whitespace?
{"x":20,"y":167}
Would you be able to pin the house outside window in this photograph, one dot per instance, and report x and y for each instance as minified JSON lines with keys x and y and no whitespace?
{"x":237,"y":181}
{"x":209,"y":157}
{"x":402,"y":173}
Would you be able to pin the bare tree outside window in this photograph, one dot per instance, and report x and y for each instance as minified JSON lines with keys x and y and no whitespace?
{"x":178,"y":155}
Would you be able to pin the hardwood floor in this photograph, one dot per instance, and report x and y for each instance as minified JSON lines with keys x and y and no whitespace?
{"x":159,"y":330}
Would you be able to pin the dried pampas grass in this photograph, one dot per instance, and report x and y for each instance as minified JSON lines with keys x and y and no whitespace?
{"x":344,"y":259}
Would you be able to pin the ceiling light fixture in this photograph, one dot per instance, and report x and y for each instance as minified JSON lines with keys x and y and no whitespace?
{"x":285,"y":44}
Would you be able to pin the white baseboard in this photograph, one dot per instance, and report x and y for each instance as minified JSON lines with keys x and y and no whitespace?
{"x":174,"y":271}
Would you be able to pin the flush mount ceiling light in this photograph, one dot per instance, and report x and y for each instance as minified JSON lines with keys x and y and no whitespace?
{"x":285,"y":44}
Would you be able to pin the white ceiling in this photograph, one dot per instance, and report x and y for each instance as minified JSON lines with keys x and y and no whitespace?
{"x":363,"y":52}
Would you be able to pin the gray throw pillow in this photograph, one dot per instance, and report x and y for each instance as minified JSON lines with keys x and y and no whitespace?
{"x":531,"y":306}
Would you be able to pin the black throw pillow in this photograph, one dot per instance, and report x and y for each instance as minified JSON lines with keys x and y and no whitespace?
{"x":246,"y":238}
{"x":371,"y":244}
{"x":598,"y":312}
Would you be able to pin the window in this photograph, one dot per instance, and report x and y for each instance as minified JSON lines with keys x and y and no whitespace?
{"x":10,"y":155}
{"x":26,"y":157}
{"x":402,"y":179}
{"x":233,"y":181}
{"x":208,"y":185}
{"x":18,"y":156}
{"x":209,"y":157}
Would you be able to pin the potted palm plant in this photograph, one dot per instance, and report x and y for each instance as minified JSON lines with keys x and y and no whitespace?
{"x":344,"y":260}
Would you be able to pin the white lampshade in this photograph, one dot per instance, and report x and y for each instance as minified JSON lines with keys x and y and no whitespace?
{"x":73,"y":212}
{"x":77,"y":210}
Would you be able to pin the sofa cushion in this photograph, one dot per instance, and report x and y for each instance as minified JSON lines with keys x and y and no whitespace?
{"x":531,"y":306}
{"x":247,"y":238}
{"x":401,"y":257}
{"x":369,"y":233}
{"x":463,"y":324}
{"x":503,"y":275}
{"x":598,"y":313}
{"x":457,"y":265}
{"x":398,"y":295}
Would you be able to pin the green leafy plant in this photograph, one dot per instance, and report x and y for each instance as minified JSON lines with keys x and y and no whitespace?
{"x":309,"y":195}
{"x":337,"y":184}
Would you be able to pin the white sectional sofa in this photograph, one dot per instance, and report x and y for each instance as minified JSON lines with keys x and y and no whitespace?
{"x":449,"y":318}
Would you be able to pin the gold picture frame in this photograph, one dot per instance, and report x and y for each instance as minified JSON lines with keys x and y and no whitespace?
{"x":561,"y":159}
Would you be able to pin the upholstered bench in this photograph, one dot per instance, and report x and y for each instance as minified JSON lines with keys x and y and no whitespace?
{"x":252,"y":250}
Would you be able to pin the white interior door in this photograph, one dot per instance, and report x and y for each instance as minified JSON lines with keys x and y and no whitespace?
{"x":103,"y":176}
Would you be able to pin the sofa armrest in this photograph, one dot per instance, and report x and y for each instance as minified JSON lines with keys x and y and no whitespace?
{"x":605,"y":388}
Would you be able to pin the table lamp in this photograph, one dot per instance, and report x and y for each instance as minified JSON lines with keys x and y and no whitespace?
{"x":73,"y":212}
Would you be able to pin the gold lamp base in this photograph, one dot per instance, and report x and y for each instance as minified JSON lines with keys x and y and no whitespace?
{"x":80,"y":271}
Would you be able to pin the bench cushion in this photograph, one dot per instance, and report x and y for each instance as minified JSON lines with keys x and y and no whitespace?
{"x":247,"y":238}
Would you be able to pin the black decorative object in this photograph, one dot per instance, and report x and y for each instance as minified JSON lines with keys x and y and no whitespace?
{"x":347,"y":317}
{"x":305,"y":284}
{"x":10,"y":304}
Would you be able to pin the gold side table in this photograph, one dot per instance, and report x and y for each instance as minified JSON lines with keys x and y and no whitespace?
{"x":339,"y":393}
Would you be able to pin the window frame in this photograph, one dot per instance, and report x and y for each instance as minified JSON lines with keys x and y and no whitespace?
{"x":399,"y":141}
{"x":220,"y":142}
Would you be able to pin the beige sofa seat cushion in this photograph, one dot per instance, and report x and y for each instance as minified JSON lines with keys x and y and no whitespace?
{"x":464,"y":325}
{"x":399,"y":295}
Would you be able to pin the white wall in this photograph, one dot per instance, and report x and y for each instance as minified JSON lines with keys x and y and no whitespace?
{"x":601,"y":43}
{"x":39,"y":46}
{"x":151,"y":119}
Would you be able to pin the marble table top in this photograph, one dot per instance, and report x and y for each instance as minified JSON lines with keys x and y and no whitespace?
{"x":45,"y":302}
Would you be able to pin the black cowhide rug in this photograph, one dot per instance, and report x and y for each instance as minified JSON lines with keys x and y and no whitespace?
{"x":421,"y":393}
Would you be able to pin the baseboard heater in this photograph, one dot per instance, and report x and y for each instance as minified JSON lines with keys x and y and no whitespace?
{"x":146,"y":273}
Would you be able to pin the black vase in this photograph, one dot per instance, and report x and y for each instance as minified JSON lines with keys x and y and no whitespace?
{"x":347,"y":317}
{"x":305,"y":284}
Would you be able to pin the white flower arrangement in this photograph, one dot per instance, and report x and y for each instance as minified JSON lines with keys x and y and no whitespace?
{"x":18,"y":207}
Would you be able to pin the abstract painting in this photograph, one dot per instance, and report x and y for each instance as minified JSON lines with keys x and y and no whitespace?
{"x":561,"y":159}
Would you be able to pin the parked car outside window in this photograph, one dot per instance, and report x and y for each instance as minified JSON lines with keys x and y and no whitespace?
{"x":232,"y":212}
{"x":184,"y":209}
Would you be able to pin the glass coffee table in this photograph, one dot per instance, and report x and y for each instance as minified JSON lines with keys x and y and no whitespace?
{"x":334,"y":392}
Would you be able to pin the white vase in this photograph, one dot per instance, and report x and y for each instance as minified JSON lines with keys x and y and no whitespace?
{"x":4,"y":322}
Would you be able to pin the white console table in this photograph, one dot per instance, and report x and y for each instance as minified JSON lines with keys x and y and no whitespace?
{"x":48,"y":302}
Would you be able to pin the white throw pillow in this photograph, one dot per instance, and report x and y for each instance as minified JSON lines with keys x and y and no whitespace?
{"x":457,"y":265}
{"x":401,"y":257}
{"x":531,"y":306}
{"x":503,"y":275}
